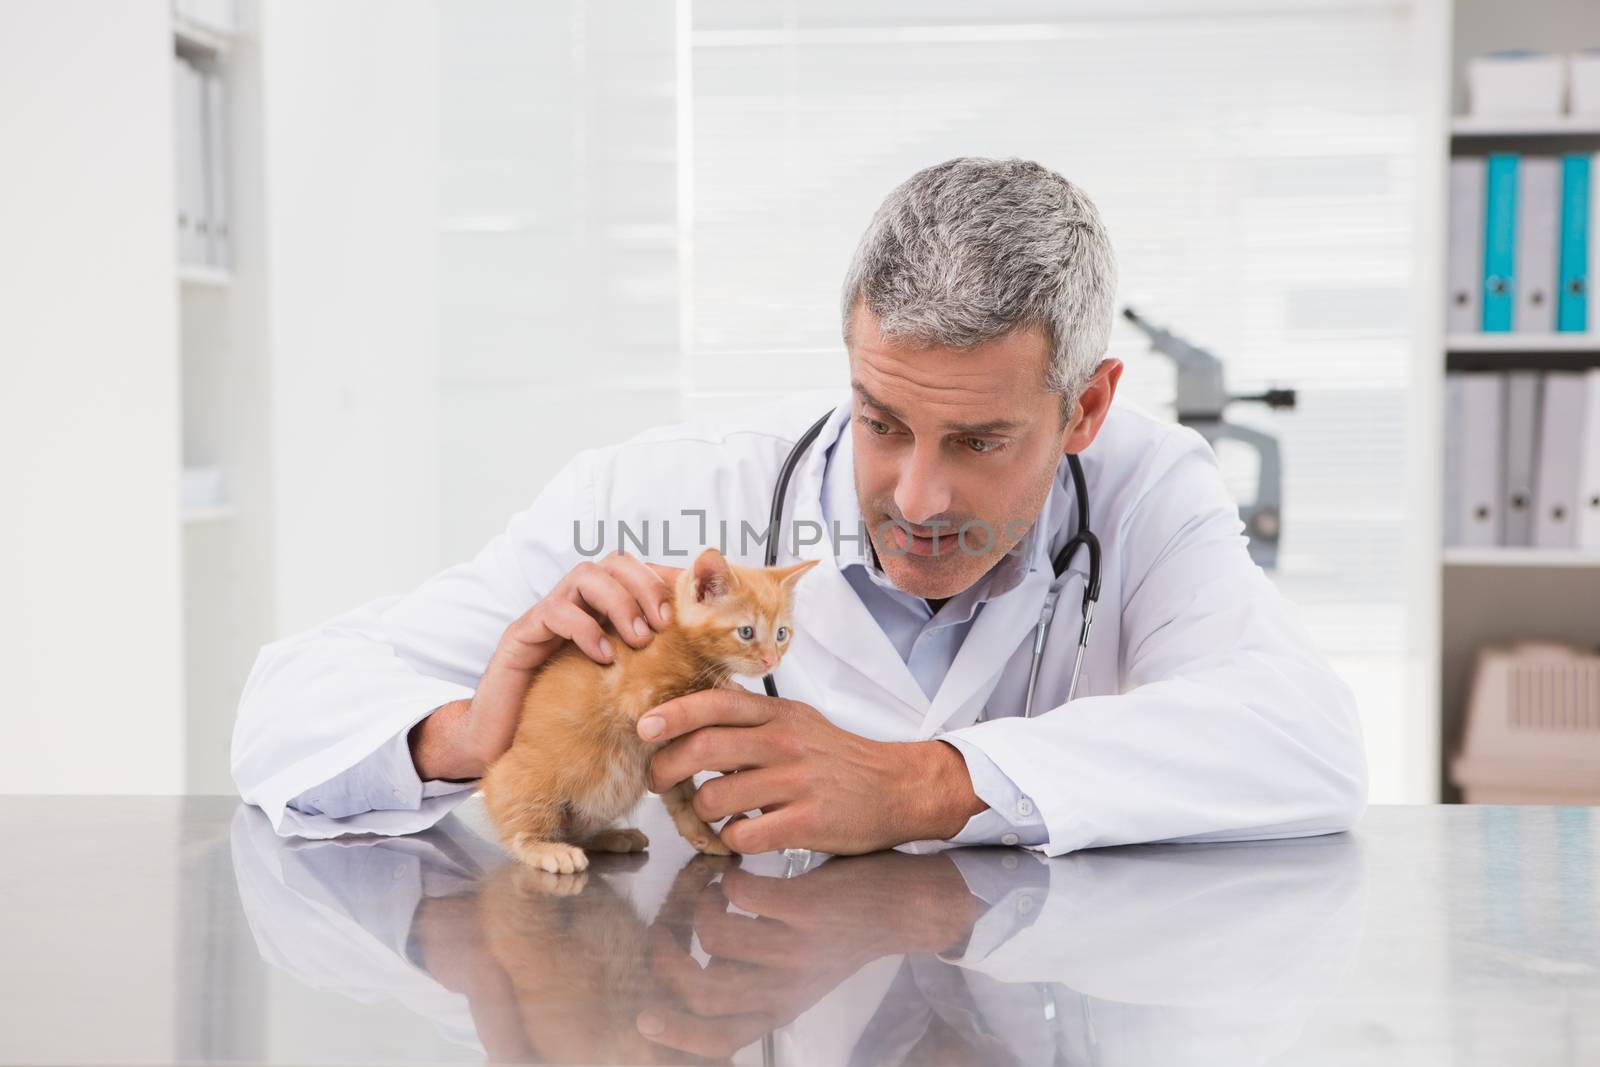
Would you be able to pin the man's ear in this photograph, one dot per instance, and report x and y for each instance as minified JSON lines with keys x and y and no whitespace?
{"x":711,"y":577}
{"x":1092,"y":406}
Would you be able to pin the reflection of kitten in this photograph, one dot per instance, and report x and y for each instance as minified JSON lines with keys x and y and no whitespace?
{"x":577,"y":762}
{"x":575,"y":954}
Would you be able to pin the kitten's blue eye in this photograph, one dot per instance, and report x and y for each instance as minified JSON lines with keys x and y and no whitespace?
{"x":747,"y":633}
{"x":783,"y":634}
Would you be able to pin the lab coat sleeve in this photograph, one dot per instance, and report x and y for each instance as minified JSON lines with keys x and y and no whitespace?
{"x":324,"y":714}
{"x":1229,"y":725}
{"x":1006,"y":803}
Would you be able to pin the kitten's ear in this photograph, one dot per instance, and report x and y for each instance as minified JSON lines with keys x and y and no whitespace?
{"x":788,"y":576}
{"x":712,"y":576}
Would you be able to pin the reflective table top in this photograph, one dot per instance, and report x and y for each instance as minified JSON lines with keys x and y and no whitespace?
{"x":145,"y":930}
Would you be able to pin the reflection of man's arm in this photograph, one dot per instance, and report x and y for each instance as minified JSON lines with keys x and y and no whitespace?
{"x":1178,"y":953}
{"x":337,"y":915}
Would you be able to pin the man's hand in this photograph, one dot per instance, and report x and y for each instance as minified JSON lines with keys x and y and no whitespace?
{"x":459,"y":740}
{"x":792,"y":941}
{"x":817,"y":786}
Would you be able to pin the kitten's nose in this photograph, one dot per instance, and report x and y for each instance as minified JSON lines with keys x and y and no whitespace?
{"x":769,"y":661}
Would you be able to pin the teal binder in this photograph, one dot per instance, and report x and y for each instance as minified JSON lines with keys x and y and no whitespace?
{"x":1572,"y":308}
{"x":1500,"y":242}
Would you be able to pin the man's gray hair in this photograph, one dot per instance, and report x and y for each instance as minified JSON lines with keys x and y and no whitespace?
{"x":970,"y":249}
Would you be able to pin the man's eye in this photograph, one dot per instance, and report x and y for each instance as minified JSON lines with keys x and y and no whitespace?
{"x":875,"y":426}
{"x":783,"y":634}
{"x":747,"y":633}
{"x":981,"y":445}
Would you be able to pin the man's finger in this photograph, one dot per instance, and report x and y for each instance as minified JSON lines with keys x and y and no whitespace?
{"x":708,"y":707}
{"x":713,"y":748}
{"x":665,"y":573}
{"x":787,"y":900}
{"x":566,"y":619}
{"x":648,"y":589}
{"x":782,"y":827}
{"x":751,"y":790}
{"x":726,"y":935}
{"x":721,"y":988}
{"x":598,"y":589}
{"x":527,"y":642}
{"x":712,"y":1039}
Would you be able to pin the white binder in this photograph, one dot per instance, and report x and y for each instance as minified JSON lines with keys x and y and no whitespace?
{"x":1538,"y":244}
{"x":1589,"y":466}
{"x":1521,"y":448}
{"x":1560,"y":452}
{"x":1464,"y":271}
{"x":183,"y":206}
{"x":1455,"y":402}
{"x":189,"y":133}
{"x":218,"y":252}
{"x":1481,"y":456}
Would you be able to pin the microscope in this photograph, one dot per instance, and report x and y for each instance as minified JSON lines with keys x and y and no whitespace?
{"x":1201,"y":400}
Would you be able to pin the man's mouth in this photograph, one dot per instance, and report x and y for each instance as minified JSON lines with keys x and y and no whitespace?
{"x":909,"y":540}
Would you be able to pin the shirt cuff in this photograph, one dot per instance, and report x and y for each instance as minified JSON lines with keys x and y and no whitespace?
{"x":385,"y":780}
{"x":1011,"y":818}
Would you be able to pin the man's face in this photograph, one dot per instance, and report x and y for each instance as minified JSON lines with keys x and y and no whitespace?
{"x":946,"y":437}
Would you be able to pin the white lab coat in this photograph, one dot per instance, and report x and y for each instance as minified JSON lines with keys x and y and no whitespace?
{"x":1203,"y":712}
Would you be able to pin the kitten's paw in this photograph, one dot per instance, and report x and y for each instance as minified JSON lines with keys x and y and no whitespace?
{"x":710,"y":845}
{"x":623,"y":840}
{"x":534,"y":881}
{"x":553,"y":856}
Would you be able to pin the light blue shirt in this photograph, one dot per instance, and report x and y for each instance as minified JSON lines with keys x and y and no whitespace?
{"x":928,"y":641}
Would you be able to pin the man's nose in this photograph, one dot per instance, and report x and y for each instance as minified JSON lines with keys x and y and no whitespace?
{"x":923,"y":490}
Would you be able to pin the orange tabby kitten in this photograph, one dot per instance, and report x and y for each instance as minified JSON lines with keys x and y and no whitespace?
{"x":577,"y":763}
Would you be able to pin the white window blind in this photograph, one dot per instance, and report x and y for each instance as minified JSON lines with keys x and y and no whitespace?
{"x":646,"y":211}
{"x":1251,"y":162}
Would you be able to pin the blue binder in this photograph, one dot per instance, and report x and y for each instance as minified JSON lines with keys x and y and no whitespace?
{"x":1500,"y":242}
{"x":1572,"y":308}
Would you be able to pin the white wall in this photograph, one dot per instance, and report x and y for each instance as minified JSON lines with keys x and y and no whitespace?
{"x":90,"y":646}
{"x":348,"y":174}
{"x":558,"y":244}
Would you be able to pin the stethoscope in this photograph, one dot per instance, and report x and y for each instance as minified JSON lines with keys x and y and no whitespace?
{"x":1082,"y":538}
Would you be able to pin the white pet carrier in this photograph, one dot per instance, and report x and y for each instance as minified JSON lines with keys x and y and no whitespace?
{"x":1533,"y":727}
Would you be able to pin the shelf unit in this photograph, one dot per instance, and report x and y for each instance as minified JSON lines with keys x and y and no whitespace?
{"x":227,"y":543}
{"x":1499,"y":595}
{"x":1523,"y":343}
{"x":192,"y":37}
{"x":1494,"y":126}
{"x":1520,"y":557}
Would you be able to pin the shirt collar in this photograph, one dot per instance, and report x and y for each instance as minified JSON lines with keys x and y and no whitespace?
{"x":841,"y":512}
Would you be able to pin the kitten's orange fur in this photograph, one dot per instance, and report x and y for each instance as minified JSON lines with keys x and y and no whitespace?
{"x":577,"y":763}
